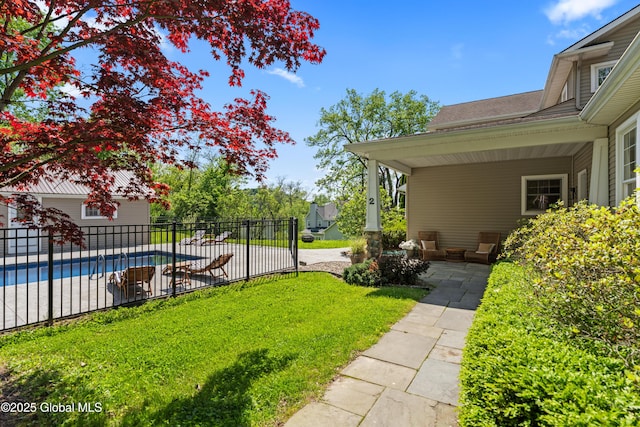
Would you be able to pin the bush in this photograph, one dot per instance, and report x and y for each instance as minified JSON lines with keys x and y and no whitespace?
{"x":586,"y":270}
{"x":388,"y":270}
{"x":392,"y":238}
{"x":400,"y":270}
{"x":362,"y":274}
{"x":517,"y":371}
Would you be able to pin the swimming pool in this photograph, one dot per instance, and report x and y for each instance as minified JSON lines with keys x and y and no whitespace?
{"x":96,"y":267}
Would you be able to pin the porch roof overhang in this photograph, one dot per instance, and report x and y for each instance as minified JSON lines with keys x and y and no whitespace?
{"x":521,"y":139}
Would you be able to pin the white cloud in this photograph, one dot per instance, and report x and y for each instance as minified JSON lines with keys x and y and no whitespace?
{"x":571,"y":34}
{"x":565,"y":11}
{"x":70,"y":90}
{"x":291,"y":77}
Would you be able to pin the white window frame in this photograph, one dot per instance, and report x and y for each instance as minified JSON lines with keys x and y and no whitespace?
{"x":594,"y":73}
{"x":622,"y":130}
{"x":564,"y":190}
{"x":564,"y":96}
{"x":83,"y":214}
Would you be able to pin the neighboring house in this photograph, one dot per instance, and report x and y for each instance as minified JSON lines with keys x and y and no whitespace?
{"x":485,"y":165}
{"x":69,"y":198}
{"x":321,"y":222}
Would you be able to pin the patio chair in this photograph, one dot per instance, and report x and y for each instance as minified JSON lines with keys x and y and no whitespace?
{"x":195,"y":239}
{"x":197,"y":267}
{"x":430,"y":246}
{"x":488,"y":248}
{"x":220,"y":238}
{"x":134,"y":276}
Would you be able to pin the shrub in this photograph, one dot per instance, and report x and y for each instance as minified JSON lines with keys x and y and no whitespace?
{"x":586,"y":270}
{"x":392,"y":238}
{"x":517,"y":371}
{"x":388,"y":270}
{"x":400,"y":270}
{"x":362,"y":274}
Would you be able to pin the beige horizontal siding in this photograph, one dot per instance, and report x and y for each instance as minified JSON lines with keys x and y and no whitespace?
{"x":129,"y":213}
{"x":581,"y":161}
{"x":461,"y":200}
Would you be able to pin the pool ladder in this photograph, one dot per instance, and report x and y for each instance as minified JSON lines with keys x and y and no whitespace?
{"x":120,"y":263}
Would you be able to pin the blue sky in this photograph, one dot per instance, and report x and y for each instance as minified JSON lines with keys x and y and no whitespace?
{"x":451,"y":51}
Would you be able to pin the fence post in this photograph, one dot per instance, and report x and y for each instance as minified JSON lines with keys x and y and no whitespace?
{"x":50,"y":277}
{"x":248,"y":247}
{"x":294,"y":241}
{"x":173,"y":259}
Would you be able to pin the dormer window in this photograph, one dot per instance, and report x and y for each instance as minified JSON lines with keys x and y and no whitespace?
{"x":599,"y":72}
{"x":565,"y":93}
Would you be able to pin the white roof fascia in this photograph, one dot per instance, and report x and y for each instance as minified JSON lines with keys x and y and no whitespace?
{"x":489,"y":138}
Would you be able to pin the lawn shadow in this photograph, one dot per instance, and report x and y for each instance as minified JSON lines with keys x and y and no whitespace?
{"x":38,"y":398}
{"x":401,"y":292}
{"x":224,"y":399}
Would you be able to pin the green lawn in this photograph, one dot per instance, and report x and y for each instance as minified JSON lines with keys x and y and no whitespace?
{"x":161,"y":237}
{"x":246,"y":354}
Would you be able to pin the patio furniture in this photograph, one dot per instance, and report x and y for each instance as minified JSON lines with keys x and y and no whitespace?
{"x":189,"y":268}
{"x":455,"y":254}
{"x":488,"y":247}
{"x":196,"y":267}
{"x":220,"y":238}
{"x":430,"y":246}
{"x":196,"y":238}
{"x":134,"y":276}
{"x":181,"y":267}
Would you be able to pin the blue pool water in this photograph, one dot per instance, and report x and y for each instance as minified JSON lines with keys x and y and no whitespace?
{"x":38,"y":271}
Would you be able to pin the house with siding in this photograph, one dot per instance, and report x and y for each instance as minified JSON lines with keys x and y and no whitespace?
{"x":484,"y":165}
{"x":321,"y":222}
{"x":68,"y":197}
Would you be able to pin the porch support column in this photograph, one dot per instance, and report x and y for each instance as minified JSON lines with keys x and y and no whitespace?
{"x":599,"y":185}
{"x":373,"y":227}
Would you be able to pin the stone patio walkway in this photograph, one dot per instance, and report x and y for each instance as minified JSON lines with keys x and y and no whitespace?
{"x":410,"y":377}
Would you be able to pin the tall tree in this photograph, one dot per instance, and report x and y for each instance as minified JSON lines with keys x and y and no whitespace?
{"x":136,"y":105}
{"x":357,"y":118}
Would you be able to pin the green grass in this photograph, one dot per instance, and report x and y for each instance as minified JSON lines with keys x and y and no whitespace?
{"x":246,"y":354}
{"x":324,"y":244}
{"x":161,"y":237}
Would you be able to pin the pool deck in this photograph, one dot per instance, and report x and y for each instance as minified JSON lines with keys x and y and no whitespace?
{"x":24,"y":304}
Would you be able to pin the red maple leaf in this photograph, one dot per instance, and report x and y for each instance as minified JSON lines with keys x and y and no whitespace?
{"x":139,"y":107}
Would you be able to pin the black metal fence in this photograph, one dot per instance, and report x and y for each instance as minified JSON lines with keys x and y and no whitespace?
{"x":129,"y":264}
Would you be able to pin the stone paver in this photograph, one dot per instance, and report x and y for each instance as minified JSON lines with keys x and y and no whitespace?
{"x":379,"y":372}
{"x":353,"y":395}
{"x":410,"y":377}
{"x":437,"y":380}
{"x":405,"y":325}
{"x":446,"y":354}
{"x":322,"y":415}
{"x":395,"y":408}
{"x":453,"y":339}
{"x":456,"y":319}
{"x":402,"y":348}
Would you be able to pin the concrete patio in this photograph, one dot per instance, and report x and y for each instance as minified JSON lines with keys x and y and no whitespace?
{"x":410,"y":377}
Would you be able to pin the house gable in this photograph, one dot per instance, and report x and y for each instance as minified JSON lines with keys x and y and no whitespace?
{"x":570,"y":74}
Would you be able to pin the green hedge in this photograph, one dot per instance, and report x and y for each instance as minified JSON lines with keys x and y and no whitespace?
{"x":518,"y":371}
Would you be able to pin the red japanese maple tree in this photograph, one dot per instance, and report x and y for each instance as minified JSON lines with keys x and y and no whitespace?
{"x":135,"y":105}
